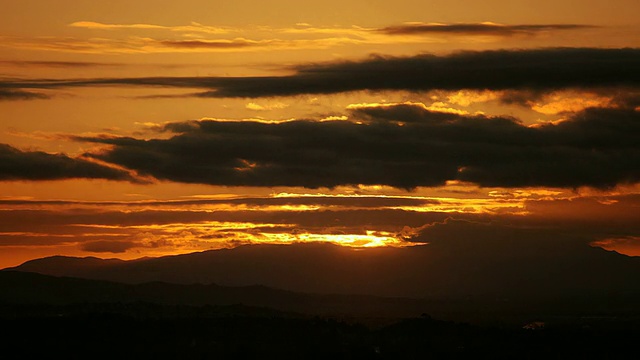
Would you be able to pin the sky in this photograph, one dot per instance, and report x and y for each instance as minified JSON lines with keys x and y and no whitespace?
{"x":149,"y":128}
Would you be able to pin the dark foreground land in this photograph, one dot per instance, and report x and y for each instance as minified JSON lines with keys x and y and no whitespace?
{"x":152,"y":331}
{"x":45,"y":317}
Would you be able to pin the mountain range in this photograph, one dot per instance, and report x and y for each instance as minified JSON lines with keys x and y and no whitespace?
{"x":328,"y":278}
{"x":418,"y":272}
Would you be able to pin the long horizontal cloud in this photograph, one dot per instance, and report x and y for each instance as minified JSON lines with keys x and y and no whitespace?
{"x":485,"y":28}
{"x":476,"y":29}
{"x":21,"y":95}
{"x":145,"y":45}
{"x":292,"y":200}
{"x":546,"y":69}
{"x":260,"y":38}
{"x":192,"y":28}
{"x":587,"y":216}
{"x":538,"y":70}
{"x":37,"y":165}
{"x":403,"y":145}
{"x":57,"y":64}
{"x":212,"y":44}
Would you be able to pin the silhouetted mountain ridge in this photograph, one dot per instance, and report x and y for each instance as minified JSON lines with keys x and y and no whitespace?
{"x":546,"y":271}
{"x":25,"y":288}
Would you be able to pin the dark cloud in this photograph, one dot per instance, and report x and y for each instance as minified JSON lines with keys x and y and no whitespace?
{"x":628,"y":98}
{"x":60,"y":222}
{"x":522,"y":97}
{"x":56,"y":64}
{"x":299,"y":153}
{"x":541,"y":69}
{"x":209,"y":44}
{"x":21,"y":95}
{"x":44,"y":239}
{"x":597,"y":147}
{"x":401,"y":113}
{"x":620,"y":96}
{"x":37,"y":165}
{"x":108,"y":246}
{"x":477,"y":29}
{"x":80,"y":221}
{"x":533,"y":69}
{"x":339,"y":201}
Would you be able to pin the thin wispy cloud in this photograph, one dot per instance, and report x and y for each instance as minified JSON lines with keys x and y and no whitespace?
{"x":470,"y":29}
{"x":16,"y":94}
{"x":194,"y":27}
{"x":57,"y":64}
{"x":147,"y":45}
{"x":197,"y":37}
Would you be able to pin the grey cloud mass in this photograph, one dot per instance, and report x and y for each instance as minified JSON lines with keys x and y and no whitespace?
{"x":57,"y":64}
{"x":542,"y":69}
{"x":536,"y":69}
{"x":107,"y":246}
{"x":37,"y":165}
{"x":354,"y":202}
{"x":21,"y":95}
{"x":477,"y":29}
{"x":215,"y":44}
{"x":403,"y":146}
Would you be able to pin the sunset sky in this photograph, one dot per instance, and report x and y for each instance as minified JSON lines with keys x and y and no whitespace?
{"x":148,"y":128}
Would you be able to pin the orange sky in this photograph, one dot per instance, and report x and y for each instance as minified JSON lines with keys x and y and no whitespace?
{"x":147,"y":128}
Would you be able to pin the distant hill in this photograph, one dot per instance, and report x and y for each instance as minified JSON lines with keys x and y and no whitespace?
{"x":22,"y":288}
{"x":514,"y":272}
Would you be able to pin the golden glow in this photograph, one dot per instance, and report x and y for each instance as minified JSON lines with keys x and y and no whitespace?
{"x":194,"y":27}
{"x":257,"y":107}
{"x":147,"y":229}
{"x":214,"y":235}
{"x":515,"y":202}
{"x":469,"y":97}
{"x":560,"y":103}
{"x":628,"y":245}
{"x":435,"y":107}
{"x":370,"y":239}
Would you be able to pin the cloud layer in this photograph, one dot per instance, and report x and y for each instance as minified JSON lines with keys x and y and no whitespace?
{"x":486,"y":28}
{"x":536,"y":70}
{"x":400,"y":145}
{"x":21,"y":95}
{"x":198,"y":224}
{"x":542,"y":69}
{"x":37,"y":165}
{"x":195,"y":37}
